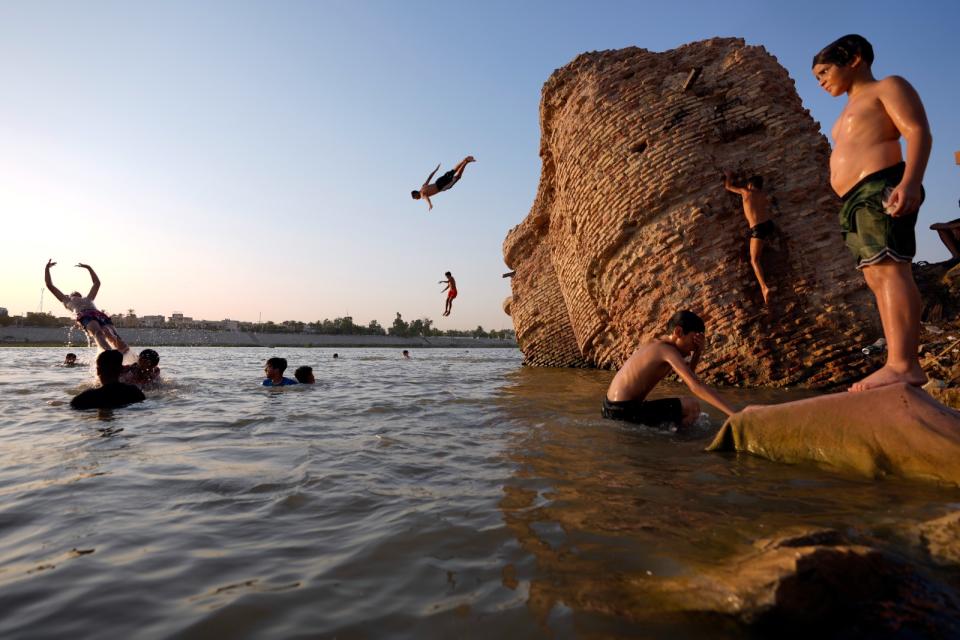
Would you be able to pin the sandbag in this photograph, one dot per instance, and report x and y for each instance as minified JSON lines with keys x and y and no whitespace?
{"x":896,"y":430}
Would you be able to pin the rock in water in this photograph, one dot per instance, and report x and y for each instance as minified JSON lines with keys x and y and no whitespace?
{"x":896,"y":430}
{"x":631,"y":221}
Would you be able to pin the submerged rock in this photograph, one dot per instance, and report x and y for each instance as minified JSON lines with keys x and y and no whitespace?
{"x":815,"y":582}
{"x":896,"y":430}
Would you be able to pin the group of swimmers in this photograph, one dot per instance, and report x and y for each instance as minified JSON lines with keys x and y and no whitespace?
{"x":121,"y":384}
{"x":881,"y":195}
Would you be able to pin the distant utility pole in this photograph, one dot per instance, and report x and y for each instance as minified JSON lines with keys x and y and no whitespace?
{"x":41,"y":299}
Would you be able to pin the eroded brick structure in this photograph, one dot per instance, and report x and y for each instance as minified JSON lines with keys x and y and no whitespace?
{"x":631,"y":221}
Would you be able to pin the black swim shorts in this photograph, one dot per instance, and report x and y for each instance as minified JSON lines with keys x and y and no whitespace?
{"x":447,"y":180}
{"x":652,"y":413}
{"x":763,"y":230}
{"x":870,"y":233}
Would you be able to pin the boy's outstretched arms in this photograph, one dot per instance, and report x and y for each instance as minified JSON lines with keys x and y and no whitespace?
{"x":430,"y":177}
{"x":49,"y":281}
{"x":702,"y":391}
{"x":96,"y":281}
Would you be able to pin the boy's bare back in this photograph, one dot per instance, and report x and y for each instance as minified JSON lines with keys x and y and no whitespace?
{"x":642,"y":371}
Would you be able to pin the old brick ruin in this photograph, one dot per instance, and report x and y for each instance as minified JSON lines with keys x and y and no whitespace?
{"x":631,"y":221}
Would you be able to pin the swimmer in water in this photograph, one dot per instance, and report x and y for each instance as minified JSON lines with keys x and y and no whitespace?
{"x":443,"y":183}
{"x":144,"y":371}
{"x":111,"y":393}
{"x":406,"y":354}
{"x":95,"y":323}
{"x":70,"y":360}
{"x":274,"y":370}
{"x":304,"y":375}
{"x":626,"y":397}
{"x":451,"y":290}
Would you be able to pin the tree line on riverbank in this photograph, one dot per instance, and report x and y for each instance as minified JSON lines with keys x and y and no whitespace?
{"x":421,"y":327}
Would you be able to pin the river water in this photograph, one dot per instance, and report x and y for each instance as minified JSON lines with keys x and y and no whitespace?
{"x":456,"y":494}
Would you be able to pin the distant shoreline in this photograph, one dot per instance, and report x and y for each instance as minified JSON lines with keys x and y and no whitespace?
{"x":63,"y":338}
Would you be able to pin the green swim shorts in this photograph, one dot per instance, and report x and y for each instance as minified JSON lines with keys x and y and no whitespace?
{"x":870,"y":233}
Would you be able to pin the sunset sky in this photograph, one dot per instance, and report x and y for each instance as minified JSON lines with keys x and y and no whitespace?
{"x":232,"y":159}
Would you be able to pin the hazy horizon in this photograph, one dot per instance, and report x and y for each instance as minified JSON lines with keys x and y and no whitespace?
{"x":231,"y":159}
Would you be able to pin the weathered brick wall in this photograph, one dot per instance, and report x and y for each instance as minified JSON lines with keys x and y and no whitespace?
{"x":631,"y":221}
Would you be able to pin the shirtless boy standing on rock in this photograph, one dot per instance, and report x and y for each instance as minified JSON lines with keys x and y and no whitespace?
{"x":881,"y":193}
{"x":756,"y":208}
{"x":625,"y":399}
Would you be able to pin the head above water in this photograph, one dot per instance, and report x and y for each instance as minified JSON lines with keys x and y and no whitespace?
{"x":415,"y":194}
{"x":687,"y":321}
{"x":70,"y":357}
{"x":109,"y":365}
{"x":336,"y":355}
{"x":277,"y":364}
{"x":148,"y":358}
{"x":304,"y":375}
{"x":842,"y":51}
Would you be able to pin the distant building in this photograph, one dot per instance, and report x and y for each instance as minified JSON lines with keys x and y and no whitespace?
{"x":181,"y":321}
{"x":152,"y":321}
{"x":3,"y":312}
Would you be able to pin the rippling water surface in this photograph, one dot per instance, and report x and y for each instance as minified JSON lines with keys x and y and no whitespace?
{"x":456,"y":494}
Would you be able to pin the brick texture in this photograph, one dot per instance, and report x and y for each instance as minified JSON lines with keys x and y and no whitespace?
{"x":631,"y":221}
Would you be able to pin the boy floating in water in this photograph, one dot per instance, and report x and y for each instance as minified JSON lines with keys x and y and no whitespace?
{"x":451,"y":289}
{"x":111,"y":392}
{"x":144,"y":370}
{"x":649,"y":364}
{"x":881,"y":193}
{"x":96,"y":324}
{"x":756,"y":208}
{"x":443,"y":183}
{"x":274,"y":370}
{"x":304,"y":375}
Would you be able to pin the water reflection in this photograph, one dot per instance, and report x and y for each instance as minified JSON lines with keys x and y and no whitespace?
{"x":607,"y":511}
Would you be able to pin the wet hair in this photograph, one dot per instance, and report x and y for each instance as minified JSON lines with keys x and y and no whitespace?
{"x":70,"y":356}
{"x":303,"y":374}
{"x":151,"y":356}
{"x":278,"y":363}
{"x":405,"y":352}
{"x":110,"y":364}
{"x":415,"y":194}
{"x":446,"y":273}
{"x":841,"y":51}
{"x":687,"y":321}
{"x":756,"y":181}
{"x":336,"y":355}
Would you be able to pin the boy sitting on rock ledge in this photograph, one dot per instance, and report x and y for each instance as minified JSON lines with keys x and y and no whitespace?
{"x":625,"y":399}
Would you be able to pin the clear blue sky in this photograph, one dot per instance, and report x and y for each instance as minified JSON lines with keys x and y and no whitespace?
{"x":229,"y":158}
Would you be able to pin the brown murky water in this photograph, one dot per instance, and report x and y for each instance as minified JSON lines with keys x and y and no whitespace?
{"x":454,"y":495}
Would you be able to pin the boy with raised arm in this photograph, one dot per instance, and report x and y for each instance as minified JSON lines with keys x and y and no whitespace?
{"x":881,"y":193}
{"x":626,"y":396}
{"x":443,"y":183}
{"x":756,"y":208}
{"x":451,"y":290}
{"x":95,"y":323}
